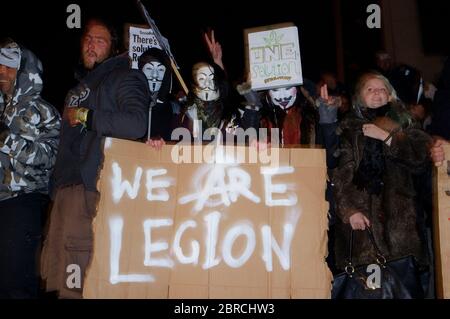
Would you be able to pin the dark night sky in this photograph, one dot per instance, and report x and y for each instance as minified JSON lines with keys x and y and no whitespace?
{"x":41,"y":26}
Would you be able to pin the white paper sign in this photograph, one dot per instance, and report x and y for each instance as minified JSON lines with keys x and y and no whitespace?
{"x":140,"y":41}
{"x":274,"y":58}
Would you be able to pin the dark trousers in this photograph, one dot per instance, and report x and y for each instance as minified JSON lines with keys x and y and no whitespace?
{"x":21,"y":221}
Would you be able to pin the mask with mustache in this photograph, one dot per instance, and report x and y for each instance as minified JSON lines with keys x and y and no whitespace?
{"x":283,"y":97}
{"x":205,"y":86}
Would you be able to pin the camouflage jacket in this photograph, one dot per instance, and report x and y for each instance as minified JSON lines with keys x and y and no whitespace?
{"x":29,"y":133}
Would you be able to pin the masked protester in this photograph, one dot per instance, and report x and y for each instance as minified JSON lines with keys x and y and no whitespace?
{"x":29,"y":134}
{"x":156,"y":67}
{"x":111,"y":100}
{"x":289,"y":109}
{"x":206,"y":102}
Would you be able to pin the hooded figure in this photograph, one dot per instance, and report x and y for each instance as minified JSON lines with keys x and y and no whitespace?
{"x":29,"y":127}
{"x":288,"y":109}
{"x":29,"y":134}
{"x":207,"y":104}
{"x":156,"y":67}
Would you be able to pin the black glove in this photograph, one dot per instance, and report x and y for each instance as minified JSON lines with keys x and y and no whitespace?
{"x":328,"y":113}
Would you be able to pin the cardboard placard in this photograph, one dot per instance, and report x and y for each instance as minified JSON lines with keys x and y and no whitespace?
{"x":273,"y":56}
{"x":223,"y":230}
{"x":441,"y":220}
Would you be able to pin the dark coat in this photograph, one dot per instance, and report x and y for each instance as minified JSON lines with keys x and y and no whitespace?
{"x":392,"y":213}
{"x":118,"y":99}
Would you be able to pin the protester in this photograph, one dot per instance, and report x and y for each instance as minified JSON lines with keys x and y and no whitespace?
{"x":294,"y":115}
{"x":212,"y":101}
{"x":156,"y":67}
{"x":29,"y":134}
{"x":111,"y":100}
{"x":379,"y":150}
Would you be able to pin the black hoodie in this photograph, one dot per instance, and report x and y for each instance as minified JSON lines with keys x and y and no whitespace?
{"x":162,"y":114}
{"x":118,"y":99}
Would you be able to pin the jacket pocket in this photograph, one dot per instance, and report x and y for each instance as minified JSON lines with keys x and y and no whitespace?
{"x":77,"y":257}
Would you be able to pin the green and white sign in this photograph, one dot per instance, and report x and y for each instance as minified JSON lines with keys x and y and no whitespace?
{"x":274,"y":58}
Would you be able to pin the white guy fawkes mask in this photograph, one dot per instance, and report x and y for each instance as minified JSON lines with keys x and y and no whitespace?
{"x":205,"y":87}
{"x":283,"y":97}
{"x":154,"y":71}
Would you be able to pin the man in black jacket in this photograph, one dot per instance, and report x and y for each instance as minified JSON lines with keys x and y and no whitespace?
{"x":111,"y":100}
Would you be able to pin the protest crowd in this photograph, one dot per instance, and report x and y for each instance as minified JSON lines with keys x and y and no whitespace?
{"x":383,"y":136}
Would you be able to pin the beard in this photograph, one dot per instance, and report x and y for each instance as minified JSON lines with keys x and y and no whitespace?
{"x":5,"y":87}
{"x":90,"y":58}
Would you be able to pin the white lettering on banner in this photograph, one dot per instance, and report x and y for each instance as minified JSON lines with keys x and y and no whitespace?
{"x":195,"y":246}
{"x":271,"y":188}
{"x":115,"y":228}
{"x":157,"y":246}
{"x":212,"y":220}
{"x":120,"y":187}
{"x":228,"y":242}
{"x":270,"y":243}
{"x":162,"y":195}
{"x":215,"y":185}
{"x":239,"y":182}
{"x":212,"y":225}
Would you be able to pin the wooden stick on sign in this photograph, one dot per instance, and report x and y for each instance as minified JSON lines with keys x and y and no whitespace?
{"x":162,"y":43}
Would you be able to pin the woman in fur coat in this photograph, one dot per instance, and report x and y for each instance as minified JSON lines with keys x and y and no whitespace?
{"x":380,"y":149}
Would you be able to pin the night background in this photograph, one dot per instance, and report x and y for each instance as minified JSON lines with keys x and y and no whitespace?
{"x":41,"y":26}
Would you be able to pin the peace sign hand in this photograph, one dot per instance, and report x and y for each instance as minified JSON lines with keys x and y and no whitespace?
{"x":215,"y":49}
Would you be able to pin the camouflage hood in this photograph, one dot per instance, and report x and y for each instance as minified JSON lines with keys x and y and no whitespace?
{"x":29,"y":77}
{"x":29,"y":132}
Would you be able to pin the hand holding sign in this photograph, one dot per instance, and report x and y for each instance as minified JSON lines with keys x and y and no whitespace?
{"x":156,"y":143}
{"x":437,"y":152}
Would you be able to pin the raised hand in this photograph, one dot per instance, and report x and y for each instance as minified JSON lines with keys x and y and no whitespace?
{"x":329,"y":99}
{"x":215,"y":49}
